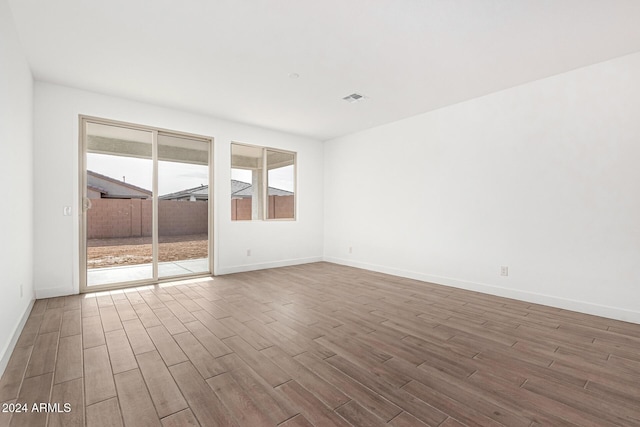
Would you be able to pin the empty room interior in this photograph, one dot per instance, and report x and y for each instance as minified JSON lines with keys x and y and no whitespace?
{"x":286,"y":213}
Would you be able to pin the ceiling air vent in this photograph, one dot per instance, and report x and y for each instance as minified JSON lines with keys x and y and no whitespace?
{"x":354,"y":97}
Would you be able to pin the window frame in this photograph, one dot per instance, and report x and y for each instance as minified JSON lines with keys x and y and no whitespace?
{"x":264,"y":190}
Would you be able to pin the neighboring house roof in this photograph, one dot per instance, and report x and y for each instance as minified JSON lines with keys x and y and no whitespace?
{"x":199,"y":193}
{"x":278,"y":192}
{"x":238,"y":189}
{"x":97,"y":188}
{"x":112,"y":188}
{"x":238,"y":186}
{"x":244,"y":189}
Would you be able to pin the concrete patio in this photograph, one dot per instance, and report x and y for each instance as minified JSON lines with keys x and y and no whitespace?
{"x":130,"y":273}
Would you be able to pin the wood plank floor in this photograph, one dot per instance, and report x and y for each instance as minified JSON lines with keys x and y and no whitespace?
{"x":319,"y":344}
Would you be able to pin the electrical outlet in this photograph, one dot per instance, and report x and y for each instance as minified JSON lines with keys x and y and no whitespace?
{"x":350,"y":250}
{"x":66,"y":211}
{"x":20,"y":291}
{"x":248,"y":252}
{"x":504,"y":270}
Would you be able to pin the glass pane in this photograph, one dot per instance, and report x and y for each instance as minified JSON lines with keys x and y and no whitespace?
{"x":246,"y":182}
{"x":281,"y":184}
{"x":119,"y":220}
{"x":183,"y":205}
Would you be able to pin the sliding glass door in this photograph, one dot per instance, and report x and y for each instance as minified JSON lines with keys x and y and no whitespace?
{"x":183,"y":205}
{"x":146,"y":209}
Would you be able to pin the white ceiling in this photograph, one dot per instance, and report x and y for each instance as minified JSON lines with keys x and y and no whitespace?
{"x":232,"y":58}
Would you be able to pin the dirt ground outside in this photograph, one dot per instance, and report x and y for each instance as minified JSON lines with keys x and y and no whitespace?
{"x":137,"y":250}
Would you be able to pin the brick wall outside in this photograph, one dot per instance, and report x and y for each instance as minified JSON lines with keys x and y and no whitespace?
{"x":109,"y":218}
{"x":279,"y":207}
{"x":240,"y":209}
{"x":177,"y":218}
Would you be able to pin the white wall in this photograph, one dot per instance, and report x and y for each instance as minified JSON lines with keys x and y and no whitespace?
{"x":543,"y":178}
{"x":16,"y":168}
{"x":56,"y":185}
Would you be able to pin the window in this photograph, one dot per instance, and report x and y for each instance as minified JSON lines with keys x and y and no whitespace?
{"x":262,"y":183}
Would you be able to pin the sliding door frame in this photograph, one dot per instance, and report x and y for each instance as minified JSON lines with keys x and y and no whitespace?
{"x":82,"y":200}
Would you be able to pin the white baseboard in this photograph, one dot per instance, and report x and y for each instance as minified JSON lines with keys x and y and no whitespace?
{"x":549,"y":300}
{"x":8,"y":349}
{"x":251,"y":267}
{"x":60,"y":291}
